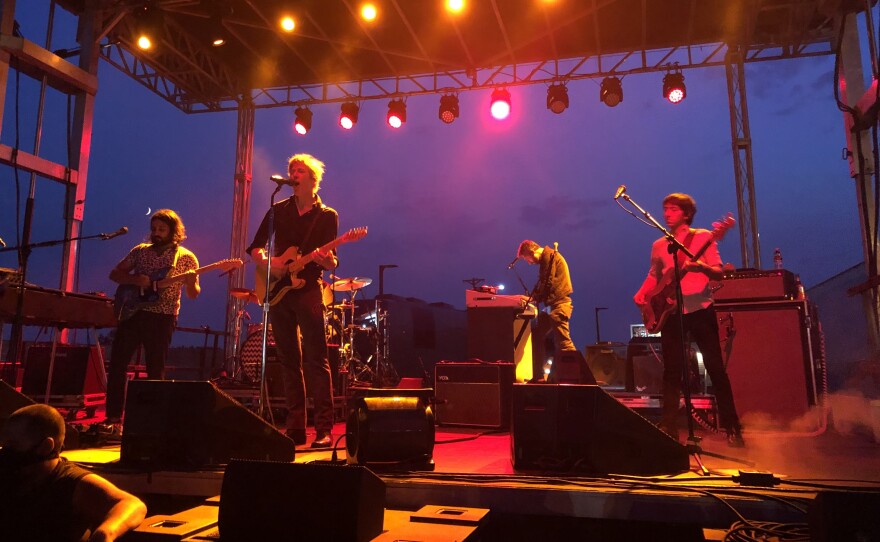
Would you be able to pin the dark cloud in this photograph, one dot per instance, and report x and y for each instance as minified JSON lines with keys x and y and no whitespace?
{"x":574,"y":213}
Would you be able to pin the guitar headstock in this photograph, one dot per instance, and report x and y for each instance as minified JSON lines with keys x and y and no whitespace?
{"x":354,"y":234}
{"x":230,"y":264}
{"x":720,"y":228}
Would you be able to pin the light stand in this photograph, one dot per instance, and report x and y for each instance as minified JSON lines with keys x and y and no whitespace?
{"x":693,"y":442}
{"x":596,"y":310}
{"x":381,"y":330}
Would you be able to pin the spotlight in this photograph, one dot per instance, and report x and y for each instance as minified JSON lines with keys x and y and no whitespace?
{"x":287,"y":24}
{"x":369,"y":12}
{"x":348,"y":115}
{"x":396,"y":113}
{"x":673,"y":87}
{"x":448,"y":108}
{"x":611,"y":91}
{"x":500,"y":100}
{"x":557,"y":98}
{"x":148,"y":20}
{"x":454,"y":6}
{"x":303,"y":122}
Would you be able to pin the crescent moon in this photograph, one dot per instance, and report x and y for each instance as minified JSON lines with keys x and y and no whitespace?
{"x":149,"y":211}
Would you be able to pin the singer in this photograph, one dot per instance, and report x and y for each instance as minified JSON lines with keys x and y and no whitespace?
{"x":698,"y":316}
{"x":553,"y":289}
{"x":152,"y":324}
{"x":302,"y":221}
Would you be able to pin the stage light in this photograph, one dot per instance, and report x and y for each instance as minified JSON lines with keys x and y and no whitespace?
{"x":611,"y":91}
{"x":673,"y":87}
{"x":396,"y":113}
{"x":147,"y":22}
{"x":455,"y":6}
{"x":448,"y":108}
{"x":369,"y":12}
{"x":390,"y":429}
{"x":287,"y":24}
{"x":303,"y":122}
{"x":557,"y":98}
{"x":500,"y":101}
{"x":348,"y":115}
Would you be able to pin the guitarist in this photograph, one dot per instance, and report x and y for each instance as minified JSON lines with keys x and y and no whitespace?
{"x":302,"y":221}
{"x":698,"y":315}
{"x":152,"y":325}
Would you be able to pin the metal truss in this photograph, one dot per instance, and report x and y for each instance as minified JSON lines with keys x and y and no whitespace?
{"x":174,"y":85}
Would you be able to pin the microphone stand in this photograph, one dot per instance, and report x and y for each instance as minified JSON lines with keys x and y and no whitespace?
{"x":675,"y":246}
{"x":381,"y":330}
{"x":15,"y":336}
{"x":264,"y":401}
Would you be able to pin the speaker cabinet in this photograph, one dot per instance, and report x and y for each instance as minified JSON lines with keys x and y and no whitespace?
{"x":10,"y":401}
{"x":474,"y":394}
{"x":492,"y":334}
{"x":187,"y":425}
{"x":579,"y":428}
{"x":570,"y":367}
{"x":77,"y":371}
{"x":768,"y":354}
{"x":299,"y":501}
{"x":607,"y":362}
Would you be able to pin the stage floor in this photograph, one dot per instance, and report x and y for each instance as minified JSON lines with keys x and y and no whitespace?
{"x":473,"y":469}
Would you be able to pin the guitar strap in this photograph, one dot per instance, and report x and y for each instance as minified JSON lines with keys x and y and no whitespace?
{"x":155,"y":284}
{"x":687,"y":242}
{"x":311,"y":227}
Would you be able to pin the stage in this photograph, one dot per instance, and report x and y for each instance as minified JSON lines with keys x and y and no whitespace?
{"x":473,"y":469}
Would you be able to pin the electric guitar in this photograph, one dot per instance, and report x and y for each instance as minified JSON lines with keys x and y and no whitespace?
{"x":131,"y":298}
{"x":660,"y":301}
{"x":286,"y":267}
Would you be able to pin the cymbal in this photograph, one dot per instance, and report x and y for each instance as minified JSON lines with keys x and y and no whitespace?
{"x":353,"y":283}
{"x":244,"y":294}
{"x":343,"y":305}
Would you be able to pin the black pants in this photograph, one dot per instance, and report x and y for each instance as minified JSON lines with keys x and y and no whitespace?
{"x":703,"y":328}
{"x":556,"y":321}
{"x":300,"y":313}
{"x":153,"y":331}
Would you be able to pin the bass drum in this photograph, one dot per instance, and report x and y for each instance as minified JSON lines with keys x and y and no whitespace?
{"x":252,"y":353}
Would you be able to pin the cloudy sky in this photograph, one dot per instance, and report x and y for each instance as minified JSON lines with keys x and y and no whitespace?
{"x":451,"y":202}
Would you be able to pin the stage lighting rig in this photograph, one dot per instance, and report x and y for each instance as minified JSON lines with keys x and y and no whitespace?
{"x":448,"y":108}
{"x":303,"y":122}
{"x":220,"y":10}
{"x":611,"y":91}
{"x":348,"y":115}
{"x":396,"y":113}
{"x":557,"y":98}
{"x":674,"y":89}
{"x":500,"y":103}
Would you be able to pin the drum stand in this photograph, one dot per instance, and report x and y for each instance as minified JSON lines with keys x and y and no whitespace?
{"x":233,"y":363}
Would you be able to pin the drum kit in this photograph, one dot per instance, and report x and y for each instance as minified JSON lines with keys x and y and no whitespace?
{"x":355,"y":336}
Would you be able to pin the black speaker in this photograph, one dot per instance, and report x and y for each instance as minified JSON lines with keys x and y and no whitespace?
{"x":10,"y":401}
{"x":391,"y":430}
{"x":583,"y":429}
{"x":767,"y":348}
{"x":570,"y":367}
{"x":77,"y":371}
{"x":187,"y":425}
{"x":607,"y":362}
{"x":300,"y":501}
{"x":473,"y":394}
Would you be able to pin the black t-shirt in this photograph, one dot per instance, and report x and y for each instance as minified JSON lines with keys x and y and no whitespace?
{"x":43,"y":512}
{"x":554,"y":282}
{"x":291,"y":229}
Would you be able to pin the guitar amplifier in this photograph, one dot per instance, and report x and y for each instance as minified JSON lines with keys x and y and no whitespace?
{"x":757,"y":285}
{"x":473,"y":393}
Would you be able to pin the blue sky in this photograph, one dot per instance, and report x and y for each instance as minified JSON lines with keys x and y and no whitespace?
{"x":451,"y":202}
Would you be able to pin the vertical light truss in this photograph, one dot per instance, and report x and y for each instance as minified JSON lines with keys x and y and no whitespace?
{"x":741,"y":143}
{"x":241,"y":197}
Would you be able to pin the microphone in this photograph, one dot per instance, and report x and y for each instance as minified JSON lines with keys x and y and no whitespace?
{"x":511,"y":264}
{"x":621,"y":190}
{"x":280,"y":179}
{"x":121,"y":231}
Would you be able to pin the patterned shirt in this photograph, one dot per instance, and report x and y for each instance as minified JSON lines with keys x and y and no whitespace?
{"x":146,"y":261}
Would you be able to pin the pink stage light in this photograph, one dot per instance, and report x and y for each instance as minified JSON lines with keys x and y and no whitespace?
{"x":500,"y":107}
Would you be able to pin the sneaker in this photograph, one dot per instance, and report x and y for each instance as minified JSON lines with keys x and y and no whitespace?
{"x":322,"y":440}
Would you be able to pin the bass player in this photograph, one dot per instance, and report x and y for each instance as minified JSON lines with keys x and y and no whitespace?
{"x":698,"y":314}
{"x":304,"y":222}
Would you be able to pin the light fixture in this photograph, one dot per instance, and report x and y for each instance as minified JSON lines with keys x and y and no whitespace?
{"x":390,"y":430}
{"x":218,"y":31}
{"x":147,"y":22}
{"x":303,"y":122}
{"x":557,"y":98}
{"x":287,"y":23}
{"x":500,"y":103}
{"x":455,"y":6}
{"x":348,"y":115}
{"x":611,"y":91}
{"x":369,"y":12}
{"x":448,"y":108}
{"x":673,"y":87}
{"x":396,"y":113}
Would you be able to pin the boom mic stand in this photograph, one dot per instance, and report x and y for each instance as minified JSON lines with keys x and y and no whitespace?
{"x":270,"y":249}
{"x":693,"y":442}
